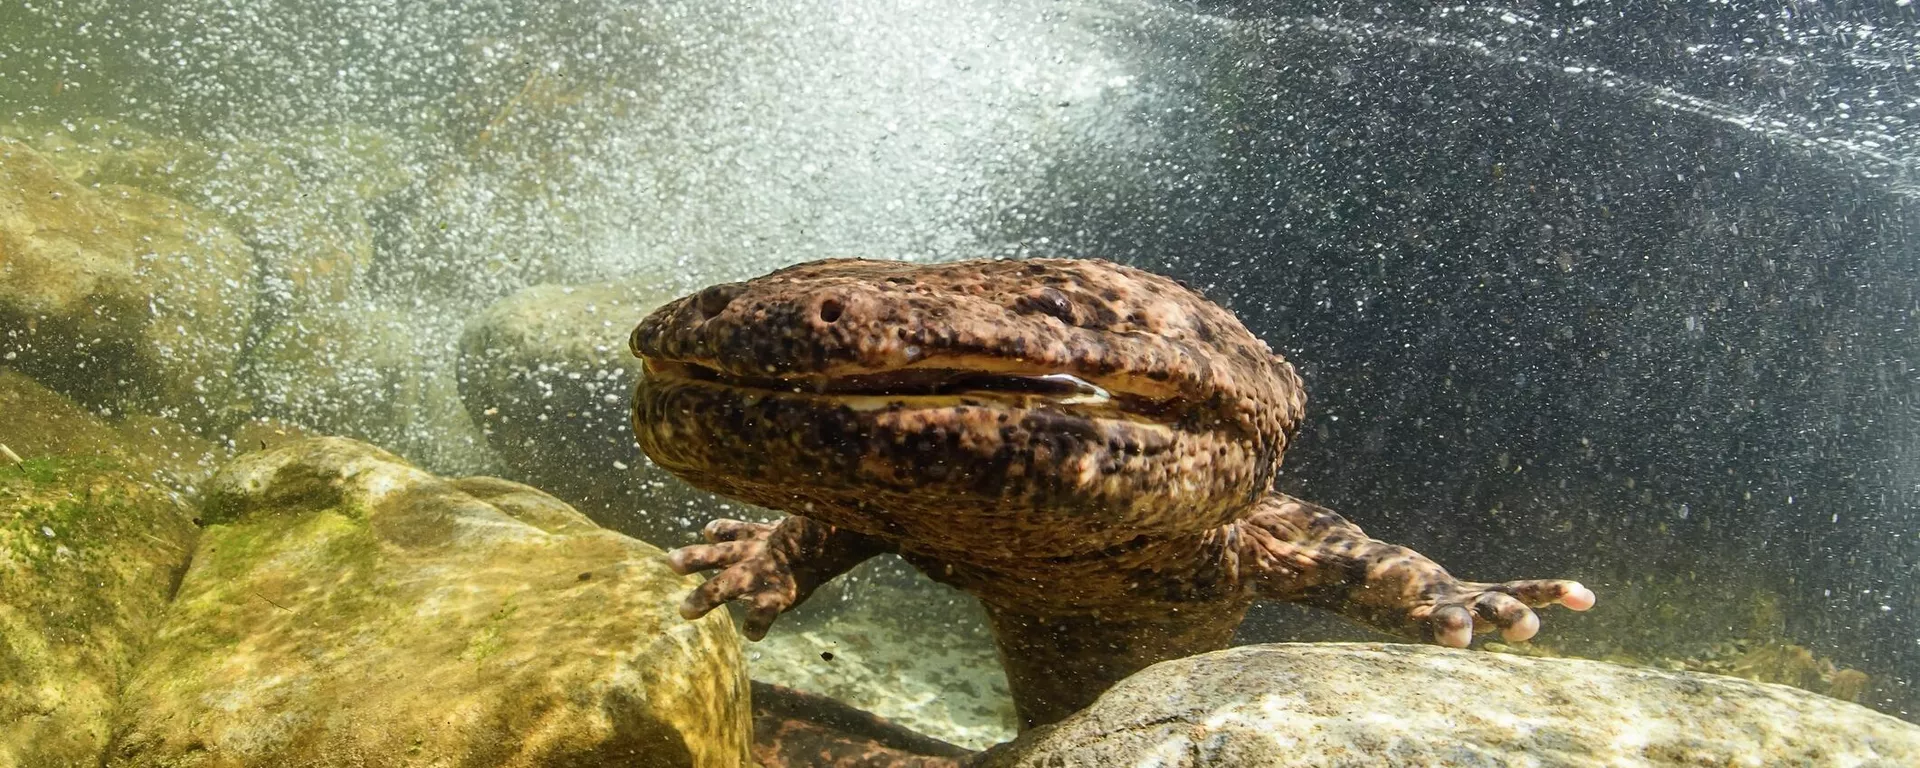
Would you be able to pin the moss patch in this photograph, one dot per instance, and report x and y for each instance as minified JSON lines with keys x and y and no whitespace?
{"x":89,"y":552}
{"x":55,"y":469}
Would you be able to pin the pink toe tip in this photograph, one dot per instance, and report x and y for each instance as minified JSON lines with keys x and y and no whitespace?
{"x":1578,"y":598}
{"x":1522,"y":630}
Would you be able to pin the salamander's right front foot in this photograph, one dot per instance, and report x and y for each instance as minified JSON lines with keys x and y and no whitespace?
{"x":771,"y":567}
{"x":753,"y":568}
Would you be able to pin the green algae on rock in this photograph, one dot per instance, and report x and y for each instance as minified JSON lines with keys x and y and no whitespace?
{"x":116,"y":296}
{"x":1269,"y":706}
{"x":90,"y":546}
{"x":344,"y":608}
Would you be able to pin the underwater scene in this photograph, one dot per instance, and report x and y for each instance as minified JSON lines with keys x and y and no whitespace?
{"x":1000,"y":383}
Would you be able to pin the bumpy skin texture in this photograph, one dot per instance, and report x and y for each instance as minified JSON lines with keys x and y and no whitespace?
{"x":1107,"y":521}
{"x":971,"y":475}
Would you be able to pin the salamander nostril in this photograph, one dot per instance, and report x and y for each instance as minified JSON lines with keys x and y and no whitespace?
{"x":830,"y":310}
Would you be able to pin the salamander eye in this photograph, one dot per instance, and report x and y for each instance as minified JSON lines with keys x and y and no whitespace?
{"x":715,"y":299}
{"x":1047,"y":301}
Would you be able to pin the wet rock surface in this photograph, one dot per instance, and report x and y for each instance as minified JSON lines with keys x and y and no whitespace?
{"x":91,"y":543}
{"x":885,"y":642}
{"x":1402,"y":705}
{"x":118,"y":297}
{"x":344,"y":608}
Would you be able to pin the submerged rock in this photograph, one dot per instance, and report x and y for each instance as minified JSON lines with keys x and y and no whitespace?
{"x":118,"y":297}
{"x":344,"y":608}
{"x":336,"y":342}
{"x":547,"y":375}
{"x":369,"y":373}
{"x":91,"y":542}
{"x":302,"y":199}
{"x":1405,"y":705}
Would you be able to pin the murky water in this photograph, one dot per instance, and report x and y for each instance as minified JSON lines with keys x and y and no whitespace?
{"x":1587,"y":290}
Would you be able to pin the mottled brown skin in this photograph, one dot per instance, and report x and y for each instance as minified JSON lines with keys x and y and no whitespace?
{"x":897,"y":407}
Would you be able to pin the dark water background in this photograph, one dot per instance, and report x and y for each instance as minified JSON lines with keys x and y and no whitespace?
{"x":1629,"y":301}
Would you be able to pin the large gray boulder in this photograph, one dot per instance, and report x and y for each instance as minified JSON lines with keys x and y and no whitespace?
{"x":346,"y":609}
{"x":1366,"y":704}
{"x":547,"y":375}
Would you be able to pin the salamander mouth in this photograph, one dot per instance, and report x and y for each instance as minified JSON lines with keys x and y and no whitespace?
{"x":933,"y":386}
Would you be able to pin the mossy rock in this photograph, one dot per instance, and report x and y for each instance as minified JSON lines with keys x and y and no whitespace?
{"x":91,"y":543}
{"x":346,"y":609}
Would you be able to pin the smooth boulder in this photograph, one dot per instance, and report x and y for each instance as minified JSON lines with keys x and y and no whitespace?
{"x":346,"y":609}
{"x":120,"y":298}
{"x":1267,"y":706}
